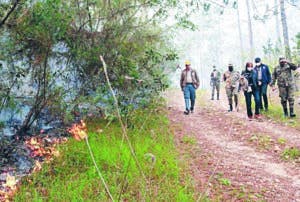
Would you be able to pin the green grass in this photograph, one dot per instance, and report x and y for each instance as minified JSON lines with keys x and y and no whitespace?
{"x":281,"y":140}
{"x":225,"y":181}
{"x":73,"y":177}
{"x":189,"y":140}
{"x":263,"y":141}
{"x":275,"y":112}
{"x":225,"y":189}
{"x":291,"y":153}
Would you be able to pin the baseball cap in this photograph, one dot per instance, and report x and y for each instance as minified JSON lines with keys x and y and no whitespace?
{"x":257,"y":60}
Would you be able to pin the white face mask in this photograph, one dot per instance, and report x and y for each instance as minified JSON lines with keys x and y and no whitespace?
{"x":249,"y":68}
{"x":258,"y":64}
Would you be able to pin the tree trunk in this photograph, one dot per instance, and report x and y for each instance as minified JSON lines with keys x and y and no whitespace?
{"x":285,"y":30}
{"x":40,"y":98}
{"x":277,"y":25}
{"x":250,"y":30}
{"x":240,"y":31}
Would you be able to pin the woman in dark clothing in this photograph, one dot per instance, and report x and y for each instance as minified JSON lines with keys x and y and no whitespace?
{"x":248,"y":84}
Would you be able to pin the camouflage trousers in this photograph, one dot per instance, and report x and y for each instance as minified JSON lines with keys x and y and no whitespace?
{"x":286,"y":93}
{"x":297,"y":81}
{"x":215,"y":86}
{"x":230,"y":92}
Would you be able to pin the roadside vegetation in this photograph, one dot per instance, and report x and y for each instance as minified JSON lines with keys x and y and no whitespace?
{"x":73,"y":177}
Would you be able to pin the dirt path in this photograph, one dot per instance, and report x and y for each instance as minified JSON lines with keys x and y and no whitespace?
{"x":231,"y":158}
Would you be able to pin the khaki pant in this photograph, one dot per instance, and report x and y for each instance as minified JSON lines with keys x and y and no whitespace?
{"x":230,"y":92}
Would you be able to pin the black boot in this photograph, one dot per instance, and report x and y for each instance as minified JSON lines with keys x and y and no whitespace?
{"x":292,"y":115}
{"x":285,"y":111}
{"x":218,"y":96}
{"x":230,"y":108}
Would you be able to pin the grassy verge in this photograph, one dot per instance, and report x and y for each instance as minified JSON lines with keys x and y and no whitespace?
{"x":72,"y":176}
{"x":275,"y":112}
{"x":291,"y":154}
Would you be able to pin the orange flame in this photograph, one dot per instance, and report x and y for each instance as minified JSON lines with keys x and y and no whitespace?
{"x":44,"y":147}
{"x":10,"y":187}
{"x":36,"y":146}
{"x":78,"y":131}
{"x":39,"y":147}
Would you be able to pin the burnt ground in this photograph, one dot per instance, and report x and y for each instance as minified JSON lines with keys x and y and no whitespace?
{"x":231,"y":158}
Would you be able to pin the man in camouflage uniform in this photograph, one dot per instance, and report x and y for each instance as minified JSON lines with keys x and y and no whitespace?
{"x":297,"y":80}
{"x":231,"y":78}
{"x":215,"y":83}
{"x":286,"y":84}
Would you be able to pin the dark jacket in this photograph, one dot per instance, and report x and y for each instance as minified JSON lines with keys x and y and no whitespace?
{"x":251,"y":77}
{"x":266,"y":75}
{"x":195,"y":79}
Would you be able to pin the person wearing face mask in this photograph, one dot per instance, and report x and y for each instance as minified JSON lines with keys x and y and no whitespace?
{"x":286,"y":84}
{"x":231,"y":78}
{"x":263,"y":80}
{"x":215,"y":83}
{"x":189,"y":82}
{"x":248,"y":83}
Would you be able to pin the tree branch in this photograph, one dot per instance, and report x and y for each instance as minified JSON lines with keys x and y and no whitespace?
{"x":9,"y":13}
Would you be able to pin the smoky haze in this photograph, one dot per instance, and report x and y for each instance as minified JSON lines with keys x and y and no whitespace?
{"x":216,"y":39}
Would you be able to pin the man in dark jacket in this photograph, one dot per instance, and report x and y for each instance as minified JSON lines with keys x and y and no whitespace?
{"x":263,"y":80}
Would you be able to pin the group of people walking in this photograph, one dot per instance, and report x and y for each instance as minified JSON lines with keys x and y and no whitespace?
{"x":253,"y":82}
